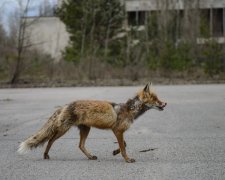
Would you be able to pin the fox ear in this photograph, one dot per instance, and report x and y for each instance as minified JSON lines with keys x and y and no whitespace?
{"x":146,"y":88}
{"x":150,"y":86}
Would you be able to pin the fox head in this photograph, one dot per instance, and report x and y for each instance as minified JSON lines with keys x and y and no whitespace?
{"x":149,"y":98}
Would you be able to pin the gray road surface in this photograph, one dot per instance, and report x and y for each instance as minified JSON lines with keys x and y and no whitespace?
{"x":188,"y":137}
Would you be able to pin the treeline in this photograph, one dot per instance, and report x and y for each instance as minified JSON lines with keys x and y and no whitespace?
{"x":164,"y":41}
{"x":106,"y":42}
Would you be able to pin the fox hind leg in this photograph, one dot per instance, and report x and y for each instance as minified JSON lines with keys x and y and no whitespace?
{"x":50,"y":142}
{"x":57,"y":135}
{"x":84,"y":131}
{"x":117,"y":151}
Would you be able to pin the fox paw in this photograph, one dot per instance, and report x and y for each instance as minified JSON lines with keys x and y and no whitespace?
{"x":93,"y":158}
{"x":130,"y":160}
{"x":115,"y":152}
{"x":46,"y":156}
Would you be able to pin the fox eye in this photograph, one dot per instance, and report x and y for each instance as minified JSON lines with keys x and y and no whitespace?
{"x":131,"y":107}
{"x":154,"y":98}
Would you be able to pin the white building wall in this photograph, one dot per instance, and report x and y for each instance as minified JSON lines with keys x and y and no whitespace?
{"x":49,"y":35}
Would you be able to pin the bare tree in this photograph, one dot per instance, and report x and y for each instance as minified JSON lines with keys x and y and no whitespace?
{"x":20,"y":41}
{"x":46,"y":9}
{"x":2,"y":32}
{"x":19,"y":36}
{"x":3,"y":39}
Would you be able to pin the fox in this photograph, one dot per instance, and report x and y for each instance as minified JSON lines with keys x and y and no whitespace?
{"x":85,"y":114}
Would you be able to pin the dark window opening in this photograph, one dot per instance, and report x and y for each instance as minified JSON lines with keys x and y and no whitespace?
{"x":217,"y":22}
{"x":136,"y":18}
{"x":211,"y":22}
{"x":178,"y":19}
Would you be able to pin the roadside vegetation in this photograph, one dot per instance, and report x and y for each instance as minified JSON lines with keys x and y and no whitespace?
{"x":104,"y":50}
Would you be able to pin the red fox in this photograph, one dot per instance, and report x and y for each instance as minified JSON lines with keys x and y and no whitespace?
{"x":92,"y":113}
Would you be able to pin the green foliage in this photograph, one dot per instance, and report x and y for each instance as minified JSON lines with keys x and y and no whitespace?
{"x":212,"y":55}
{"x":116,"y":55}
{"x":166,"y":51}
{"x":70,"y":54}
{"x":92,"y":26}
{"x":204,"y":26}
{"x":168,"y":56}
{"x":175,"y":58}
{"x":152,"y":25}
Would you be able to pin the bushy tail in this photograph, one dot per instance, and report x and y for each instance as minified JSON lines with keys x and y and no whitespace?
{"x":43,"y":135}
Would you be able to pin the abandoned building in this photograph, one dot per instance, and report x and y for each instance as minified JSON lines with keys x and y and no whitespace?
{"x":213,"y":12}
{"x":50,"y":35}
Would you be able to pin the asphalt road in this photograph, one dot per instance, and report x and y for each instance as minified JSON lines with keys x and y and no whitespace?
{"x":187,"y":139}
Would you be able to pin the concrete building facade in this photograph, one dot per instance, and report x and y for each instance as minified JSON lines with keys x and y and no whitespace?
{"x":213,"y":10}
{"x":48,"y":35}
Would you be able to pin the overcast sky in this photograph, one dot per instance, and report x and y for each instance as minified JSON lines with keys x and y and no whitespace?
{"x":7,"y":7}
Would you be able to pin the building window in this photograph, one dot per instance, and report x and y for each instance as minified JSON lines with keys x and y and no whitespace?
{"x":136,"y":18}
{"x":211,"y":22}
{"x":217,"y":22}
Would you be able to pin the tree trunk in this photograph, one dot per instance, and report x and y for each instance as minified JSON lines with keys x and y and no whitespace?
{"x":92,"y":56}
{"x":107,"y":41}
{"x":20,"y":45}
{"x":16,"y":73}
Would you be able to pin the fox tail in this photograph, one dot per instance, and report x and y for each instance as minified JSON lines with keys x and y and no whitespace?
{"x":43,"y":135}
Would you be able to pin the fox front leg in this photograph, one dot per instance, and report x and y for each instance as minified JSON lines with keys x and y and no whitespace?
{"x":120,"y":139}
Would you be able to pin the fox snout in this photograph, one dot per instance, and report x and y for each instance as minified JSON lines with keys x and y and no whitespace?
{"x":157,"y":105}
{"x":162,"y":105}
